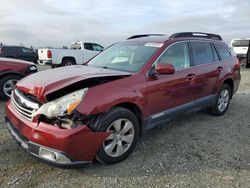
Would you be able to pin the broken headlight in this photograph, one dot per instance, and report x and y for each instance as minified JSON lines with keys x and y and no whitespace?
{"x":62,"y":106}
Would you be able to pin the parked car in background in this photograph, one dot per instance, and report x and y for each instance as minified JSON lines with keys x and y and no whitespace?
{"x":12,"y":70}
{"x":240,"y":47}
{"x":19,"y":52}
{"x":73,"y":115}
{"x":79,"y":53}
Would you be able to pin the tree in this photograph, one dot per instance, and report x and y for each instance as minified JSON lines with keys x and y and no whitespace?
{"x":1,"y":44}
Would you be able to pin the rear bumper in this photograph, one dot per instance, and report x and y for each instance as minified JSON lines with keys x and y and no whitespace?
{"x":45,"y":62}
{"x":72,"y":146}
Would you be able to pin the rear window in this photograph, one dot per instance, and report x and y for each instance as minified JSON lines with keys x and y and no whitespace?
{"x":202,"y":53}
{"x":222,"y":51}
{"x":240,"y":43}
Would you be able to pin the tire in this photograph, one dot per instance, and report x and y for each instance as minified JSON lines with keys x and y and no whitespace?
{"x":243,"y":63}
{"x":222,"y":101}
{"x":120,"y":144}
{"x":5,"y":85}
{"x":68,"y":62}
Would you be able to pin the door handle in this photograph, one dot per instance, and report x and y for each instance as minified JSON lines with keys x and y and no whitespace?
{"x":219,"y":69}
{"x":190,"y":76}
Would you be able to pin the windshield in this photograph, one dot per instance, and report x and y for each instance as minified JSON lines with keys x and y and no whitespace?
{"x":126,"y":56}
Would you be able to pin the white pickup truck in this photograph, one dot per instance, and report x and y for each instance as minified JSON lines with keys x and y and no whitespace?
{"x":79,"y":53}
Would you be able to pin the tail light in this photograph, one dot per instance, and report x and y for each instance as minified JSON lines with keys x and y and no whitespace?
{"x":49,"y":54}
{"x":237,"y":65}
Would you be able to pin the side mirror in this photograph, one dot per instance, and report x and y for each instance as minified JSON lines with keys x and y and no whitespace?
{"x":165,"y":69}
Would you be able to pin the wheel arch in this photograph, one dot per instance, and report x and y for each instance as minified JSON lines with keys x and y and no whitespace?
{"x":230,"y":83}
{"x":10,"y":73}
{"x":135,"y":109}
{"x":69,"y":58}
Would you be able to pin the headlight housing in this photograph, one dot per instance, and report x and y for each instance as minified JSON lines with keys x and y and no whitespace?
{"x":62,"y":106}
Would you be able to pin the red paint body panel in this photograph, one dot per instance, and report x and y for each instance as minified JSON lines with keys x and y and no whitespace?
{"x":79,"y":143}
{"x":14,"y":66}
{"x":47,"y":82}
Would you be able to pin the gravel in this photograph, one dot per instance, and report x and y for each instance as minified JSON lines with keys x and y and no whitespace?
{"x":196,"y":150}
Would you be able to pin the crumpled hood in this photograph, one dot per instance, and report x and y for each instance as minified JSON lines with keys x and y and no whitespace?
{"x":44,"y":82}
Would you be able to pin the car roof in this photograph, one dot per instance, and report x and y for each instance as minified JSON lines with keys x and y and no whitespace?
{"x":160,"y":38}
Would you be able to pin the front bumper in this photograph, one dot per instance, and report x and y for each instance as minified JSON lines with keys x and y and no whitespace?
{"x":61,"y":147}
{"x":54,"y":157}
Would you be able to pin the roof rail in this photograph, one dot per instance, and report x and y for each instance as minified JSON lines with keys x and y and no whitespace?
{"x":197,"y":34}
{"x":144,"y":35}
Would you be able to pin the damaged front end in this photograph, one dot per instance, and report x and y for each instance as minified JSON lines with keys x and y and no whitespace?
{"x":59,"y":107}
{"x":59,"y":112}
{"x":51,"y":130}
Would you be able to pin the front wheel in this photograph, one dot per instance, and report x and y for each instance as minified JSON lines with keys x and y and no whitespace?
{"x":222,"y":101}
{"x":6,"y":85}
{"x":124,"y":128}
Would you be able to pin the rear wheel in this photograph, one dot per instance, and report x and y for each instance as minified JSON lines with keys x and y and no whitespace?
{"x":124,"y":128}
{"x":68,"y":62}
{"x":222,"y":101}
{"x":6,"y":85}
{"x":243,"y":63}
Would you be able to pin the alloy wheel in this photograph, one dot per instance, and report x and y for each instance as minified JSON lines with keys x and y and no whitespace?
{"x":7,"y":89}
{"x":120,"y":139}
{"x":223,"y":100}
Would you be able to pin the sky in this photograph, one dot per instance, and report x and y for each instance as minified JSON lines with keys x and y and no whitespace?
{"x":56,"y":23}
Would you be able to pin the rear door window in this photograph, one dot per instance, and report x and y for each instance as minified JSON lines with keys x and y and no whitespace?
{"x":88,"y":46}
{"x":222,"y":51}
{"x":202,"y":53}
{"x":93,"y":47}
{"x":216,"y":57}
{"x":97,"y":47}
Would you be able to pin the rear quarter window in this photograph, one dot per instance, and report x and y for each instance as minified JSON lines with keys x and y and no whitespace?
{"x":222,"y":51}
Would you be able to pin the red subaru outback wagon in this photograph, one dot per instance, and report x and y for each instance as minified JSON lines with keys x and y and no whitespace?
{"x":73,"y":115}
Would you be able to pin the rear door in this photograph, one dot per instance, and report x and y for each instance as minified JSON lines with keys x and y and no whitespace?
{"x":207,"y":68}
{"x":26,"y":54}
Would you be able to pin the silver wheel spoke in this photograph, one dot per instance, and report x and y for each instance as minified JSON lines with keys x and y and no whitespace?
{"x":120,"y":149}
{"x":127,"y":126}
{"x":111,"y":137}
{"x":117,"y":124}
{"x":110,"y":147}
{"x":128,"y":139}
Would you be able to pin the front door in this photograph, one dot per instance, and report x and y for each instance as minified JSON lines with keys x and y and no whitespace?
{"x":172,"y":92}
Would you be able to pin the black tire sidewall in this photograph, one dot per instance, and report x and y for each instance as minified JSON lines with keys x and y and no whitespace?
{"x":102,"y":125}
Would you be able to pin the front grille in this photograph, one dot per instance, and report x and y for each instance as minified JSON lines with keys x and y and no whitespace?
{"x":23,"y":105}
